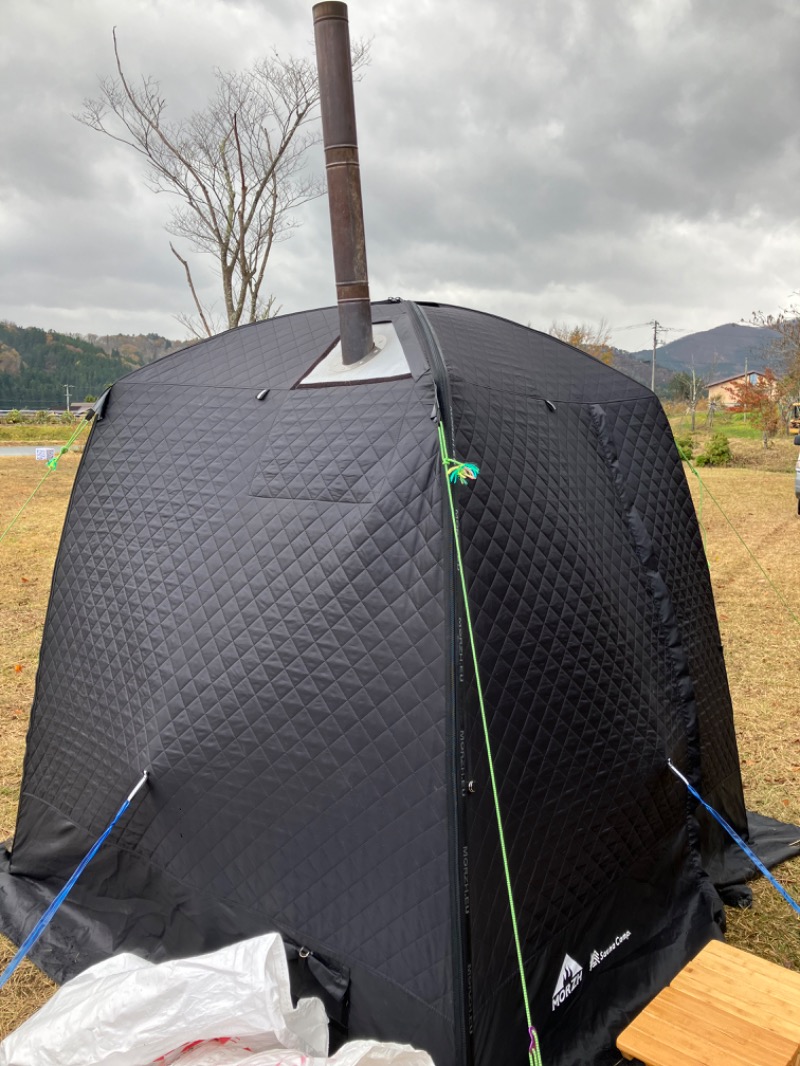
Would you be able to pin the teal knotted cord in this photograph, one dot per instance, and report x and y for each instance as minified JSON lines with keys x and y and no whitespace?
{"x":51,"y":466}
{"x":460,"y":473}
{"x":463,"y":472}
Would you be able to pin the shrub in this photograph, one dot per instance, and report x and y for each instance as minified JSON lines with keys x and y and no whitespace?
{"x":685,"y":446}
{"x":41,"y":417}
{"x":67,"y":418}
{"x":717,"y":452}
{"x":13,"y":417}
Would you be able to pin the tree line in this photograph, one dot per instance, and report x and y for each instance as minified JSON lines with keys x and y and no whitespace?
{"x":37,"y":364}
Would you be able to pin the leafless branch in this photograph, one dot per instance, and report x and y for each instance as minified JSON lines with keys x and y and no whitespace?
{"x":192,"y":289}
{"x":238,"y":169}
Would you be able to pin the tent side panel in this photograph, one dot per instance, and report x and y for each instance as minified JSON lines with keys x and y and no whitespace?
{"x":584,"y":709}
{"x":248,"y":601}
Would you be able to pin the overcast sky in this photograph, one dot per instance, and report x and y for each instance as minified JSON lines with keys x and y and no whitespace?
{"x":560,"y":160}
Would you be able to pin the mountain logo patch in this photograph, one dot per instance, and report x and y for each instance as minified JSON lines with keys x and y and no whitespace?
{"x":568,"y":980}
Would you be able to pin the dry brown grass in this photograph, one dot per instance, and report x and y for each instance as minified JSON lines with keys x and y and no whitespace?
{"x":779,"y":457}
{"x":762,"y":650}
{"x":762,"y":653}
{"x":27,"y":555}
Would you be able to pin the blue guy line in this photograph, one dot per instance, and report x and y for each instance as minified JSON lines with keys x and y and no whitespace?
{"x":47,"y":917}
{"x":732,"y":833}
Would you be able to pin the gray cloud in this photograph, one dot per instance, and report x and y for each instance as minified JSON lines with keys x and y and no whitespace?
{"x":550,"y":161}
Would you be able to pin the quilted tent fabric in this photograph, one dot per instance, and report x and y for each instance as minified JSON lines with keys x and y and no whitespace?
{"x":255,"y":598}
{"x":580,"y":671}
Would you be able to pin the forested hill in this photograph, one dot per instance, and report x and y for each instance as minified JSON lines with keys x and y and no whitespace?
{"x":36,"y":364}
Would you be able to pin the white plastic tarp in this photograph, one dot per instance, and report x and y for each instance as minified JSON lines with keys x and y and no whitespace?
{"x":230,"y":1008}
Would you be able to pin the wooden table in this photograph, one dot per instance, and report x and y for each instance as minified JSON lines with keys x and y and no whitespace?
{"x":725,"y":1008}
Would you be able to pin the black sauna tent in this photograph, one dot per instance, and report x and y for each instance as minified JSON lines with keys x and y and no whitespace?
{"x":255,"y":597}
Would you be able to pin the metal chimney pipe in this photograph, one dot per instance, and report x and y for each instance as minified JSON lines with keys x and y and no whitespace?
{"x":332,"y":39}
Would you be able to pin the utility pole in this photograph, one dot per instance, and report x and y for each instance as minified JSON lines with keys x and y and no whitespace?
{"x":67,"y":389}
{"x":746,"y":383}
{"x":656,"y":327}
{"x":693,"y":406}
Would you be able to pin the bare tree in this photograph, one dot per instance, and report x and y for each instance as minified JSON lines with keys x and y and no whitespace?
{"x":696,"y":387}
{"x":594,"y":340}
{"x":687,"y":385}
{"x":238,"y":168}
{"x":784,"y":355}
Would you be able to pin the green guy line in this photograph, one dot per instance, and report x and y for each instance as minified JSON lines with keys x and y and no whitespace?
{"x":713,"y":498}
{"x":50,"y":469}
{"x":534,"y":1054}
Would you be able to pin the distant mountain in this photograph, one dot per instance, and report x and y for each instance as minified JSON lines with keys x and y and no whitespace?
{"x":36,"y":364}
{"x":638,"y":367}
{"x":715,"y":353}
{"x":142,"y":348}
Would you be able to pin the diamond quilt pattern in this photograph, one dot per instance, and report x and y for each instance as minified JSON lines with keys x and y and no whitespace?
{"x":250,"y":600}
{"x":342,"y":453}
{"x":262,"y":356}
{"x":580,"y":685}
{"x":251,"y":356}
{"x":644,"y":445}
{"x":507,"y":357}
{"x":278,"y":663}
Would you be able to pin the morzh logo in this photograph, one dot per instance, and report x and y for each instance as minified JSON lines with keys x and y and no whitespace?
{"x":568,"y":980}
{"x":597,"y":956}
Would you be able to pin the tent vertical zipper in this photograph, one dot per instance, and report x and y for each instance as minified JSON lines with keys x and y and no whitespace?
{"x":462,"y":995}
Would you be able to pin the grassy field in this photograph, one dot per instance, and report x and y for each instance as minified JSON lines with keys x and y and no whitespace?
{"x":27,"y":555}
{"x":27,"y":433}
{"x":761,"y":638}
{"x":744,"y":435}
